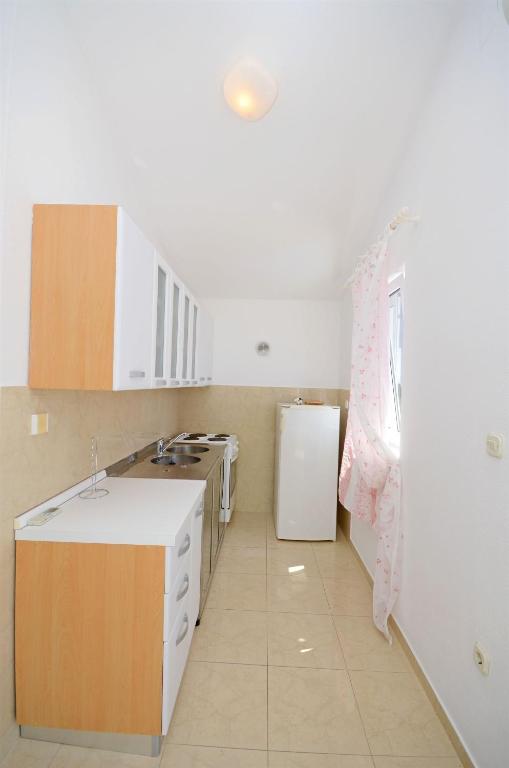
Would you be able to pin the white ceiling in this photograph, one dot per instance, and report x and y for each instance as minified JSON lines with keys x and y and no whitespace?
{"x":277,"y":208}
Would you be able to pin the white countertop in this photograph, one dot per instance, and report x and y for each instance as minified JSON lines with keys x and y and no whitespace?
{"x":136,"y":511}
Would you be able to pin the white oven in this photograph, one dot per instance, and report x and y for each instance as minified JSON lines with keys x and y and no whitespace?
{"x":231,"y":453}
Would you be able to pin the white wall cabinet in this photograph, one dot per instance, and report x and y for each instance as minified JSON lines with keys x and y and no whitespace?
{"x":134,"y":299}
{"x":204,"y":348}
{"x":107,"y":312}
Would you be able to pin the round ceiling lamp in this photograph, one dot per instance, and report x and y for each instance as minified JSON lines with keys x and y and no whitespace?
{"x":249,"y":90}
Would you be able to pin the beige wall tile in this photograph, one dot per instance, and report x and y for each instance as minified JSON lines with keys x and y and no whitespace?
{"x":249,"y":412}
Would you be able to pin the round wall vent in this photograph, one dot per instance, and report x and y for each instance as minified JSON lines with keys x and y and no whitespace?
{"x":262,"y":348}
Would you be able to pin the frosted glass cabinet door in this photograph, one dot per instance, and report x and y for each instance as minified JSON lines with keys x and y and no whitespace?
{"x":194,"y":344}
{"x":186,"y":338}
{"x":176,"y":299}
{"x":160,"y":327}
{"x":134,"y":295}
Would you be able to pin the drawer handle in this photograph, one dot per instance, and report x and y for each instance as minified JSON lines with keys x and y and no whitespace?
{"x":199,"y":511}
{"x":184,"y":588}
{"x":185,"y":545}
{"x":183,"y":632}
{"x":175,"y":382}
{"x":161,"y":383}
{"x":136,"y":374}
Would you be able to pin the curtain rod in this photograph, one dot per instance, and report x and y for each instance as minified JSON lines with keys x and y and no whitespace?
{"x":402,"y":217}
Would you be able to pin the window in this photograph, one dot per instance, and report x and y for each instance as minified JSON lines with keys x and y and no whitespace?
{"x":396,"y":341}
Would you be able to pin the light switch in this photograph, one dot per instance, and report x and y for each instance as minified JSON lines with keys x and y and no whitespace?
{"x":495,"y":445}
{"x":39,"y":423}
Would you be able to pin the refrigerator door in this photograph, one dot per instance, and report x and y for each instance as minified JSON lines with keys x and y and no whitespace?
{"x":307,"y":445}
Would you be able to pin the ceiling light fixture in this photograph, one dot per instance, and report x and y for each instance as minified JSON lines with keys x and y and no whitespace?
{"x":249,"y":90}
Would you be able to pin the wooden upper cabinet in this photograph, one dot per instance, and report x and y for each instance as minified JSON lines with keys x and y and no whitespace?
{"x":92,"y":299}
{"x":107,"y":313}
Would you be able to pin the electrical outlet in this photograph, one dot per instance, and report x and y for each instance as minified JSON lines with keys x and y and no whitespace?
{"x":39,"y":424}
{"x":482,"y":660}
{"x":495,"y":445}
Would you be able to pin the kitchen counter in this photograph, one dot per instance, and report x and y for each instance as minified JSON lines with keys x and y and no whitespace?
{"x":136,"y":511}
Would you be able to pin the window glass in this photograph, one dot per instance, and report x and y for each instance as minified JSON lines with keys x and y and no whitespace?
{"x":396,"y":344}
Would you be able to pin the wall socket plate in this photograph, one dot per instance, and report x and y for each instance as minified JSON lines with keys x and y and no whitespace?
{"x":482,"y":660}
{"x":495,"y":445}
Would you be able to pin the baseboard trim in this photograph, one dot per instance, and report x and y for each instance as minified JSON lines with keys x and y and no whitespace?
{"x":442,"y":715}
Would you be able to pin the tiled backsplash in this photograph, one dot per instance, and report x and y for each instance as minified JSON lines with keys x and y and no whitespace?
{"x":33,"y":469}
{"x":249,"y":412}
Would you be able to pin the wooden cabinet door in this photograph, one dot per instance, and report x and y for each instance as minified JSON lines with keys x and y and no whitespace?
{"x":134,"y":306}
{"x":89,"y":636}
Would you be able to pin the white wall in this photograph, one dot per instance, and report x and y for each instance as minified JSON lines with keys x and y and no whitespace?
{"x":456,"y":384}
{"x":304,"y":338}
{"x":55,"y":147}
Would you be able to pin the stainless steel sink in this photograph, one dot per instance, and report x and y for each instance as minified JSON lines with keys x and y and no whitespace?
{"x":181,"y":460}
{"x":188,"y":449}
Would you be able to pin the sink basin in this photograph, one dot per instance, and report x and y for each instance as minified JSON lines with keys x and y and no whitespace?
{"x":181,"y":460}
{"x":188,"y":449}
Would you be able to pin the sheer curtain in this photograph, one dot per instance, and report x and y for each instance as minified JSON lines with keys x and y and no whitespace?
{"x":369,"y":481}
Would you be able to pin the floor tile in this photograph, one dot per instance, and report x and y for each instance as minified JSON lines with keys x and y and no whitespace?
{"x":284,"y":561}
{"x":350,"y":596}
{"x":79,"y":757}
{"x":221,"y":705}
{"x":397,"y":715}
{"x":303,"y":640}
{"x":243,"y":592}
{"x":308,"y":760}
{"x":177,"y":756}
{"x":296,"y":594}
{"x":28,"y":753}
{"x":242,"y":560}
{"x":417,"y":762}
{"x":231,"y":637}
{"x":313,"y":710}
{"x":246,"y":535}
{"x":334,"y":558}
{"x":366,"y":648}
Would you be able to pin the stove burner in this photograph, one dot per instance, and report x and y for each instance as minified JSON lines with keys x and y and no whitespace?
{"x":222,"y":434}
{"x":217,"y":439}
{"x":195,"y":436}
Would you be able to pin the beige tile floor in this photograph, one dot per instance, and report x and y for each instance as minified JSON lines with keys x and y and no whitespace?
{"x":286,"y":671}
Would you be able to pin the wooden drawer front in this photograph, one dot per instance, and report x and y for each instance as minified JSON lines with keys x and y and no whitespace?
{"x":89,"y":620}
{"x":179,"y":596}
{"x":175,"y":653}
{"x":177,"y":555}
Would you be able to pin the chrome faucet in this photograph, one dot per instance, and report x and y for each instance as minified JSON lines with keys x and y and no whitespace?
{"x":163,"y":445}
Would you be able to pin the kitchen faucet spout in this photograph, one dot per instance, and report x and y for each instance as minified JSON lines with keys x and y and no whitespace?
{"x":163,"y":445}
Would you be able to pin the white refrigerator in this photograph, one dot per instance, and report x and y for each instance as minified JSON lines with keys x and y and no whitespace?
{"x":306,"y":471}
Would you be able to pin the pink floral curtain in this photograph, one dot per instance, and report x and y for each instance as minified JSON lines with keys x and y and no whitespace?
{"x":369,"y":482}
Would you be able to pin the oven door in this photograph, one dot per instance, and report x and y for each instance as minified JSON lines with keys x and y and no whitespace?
{"x":233,"y":478}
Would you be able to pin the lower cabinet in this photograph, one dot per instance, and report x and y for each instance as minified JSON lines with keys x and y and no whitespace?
{"x":103,"y":631}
